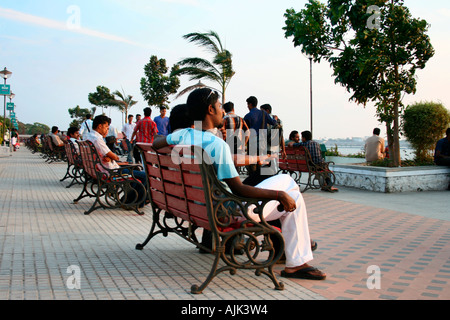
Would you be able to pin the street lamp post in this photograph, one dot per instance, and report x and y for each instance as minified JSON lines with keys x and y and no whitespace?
{"x":5,"y":74}
{"x":11,"y":147}
{"x":310,"y":87}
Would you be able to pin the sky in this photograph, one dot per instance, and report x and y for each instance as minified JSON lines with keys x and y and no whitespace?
{"x":59,"y":51}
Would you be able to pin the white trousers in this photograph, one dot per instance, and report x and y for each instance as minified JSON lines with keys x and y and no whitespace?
{"x":294,"y":224}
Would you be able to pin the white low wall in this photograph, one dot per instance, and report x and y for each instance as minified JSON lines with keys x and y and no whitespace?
{"x":391,"y":180}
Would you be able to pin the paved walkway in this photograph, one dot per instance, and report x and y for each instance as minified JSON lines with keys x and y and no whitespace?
{"x":42,"y":234}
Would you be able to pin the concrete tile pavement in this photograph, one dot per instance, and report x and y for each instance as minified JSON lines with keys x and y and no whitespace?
{"x":42,"y":234}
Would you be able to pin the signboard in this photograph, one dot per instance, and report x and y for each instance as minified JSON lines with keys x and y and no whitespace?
{"x":5,"y":89}
{"x":10,"y":106}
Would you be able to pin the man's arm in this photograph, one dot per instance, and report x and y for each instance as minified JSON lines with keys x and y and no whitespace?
{"x":240,"y":189}
{"x":270,"y":120}
{"x":160,"y":142}
{"x":241,"y":160}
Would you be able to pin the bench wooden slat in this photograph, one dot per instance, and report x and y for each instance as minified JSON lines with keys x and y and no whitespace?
{"x":182,"y":189}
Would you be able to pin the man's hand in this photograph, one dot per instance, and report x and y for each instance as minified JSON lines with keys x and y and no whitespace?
{"x":287,"y":201}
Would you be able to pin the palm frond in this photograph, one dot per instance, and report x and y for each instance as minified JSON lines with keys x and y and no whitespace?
{"x":204,"y":40}
{"x":199,"y":85}
{"x":198,"y":74}
{"x":197,"y":63}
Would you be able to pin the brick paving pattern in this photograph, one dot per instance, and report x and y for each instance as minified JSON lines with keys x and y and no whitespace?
{"x":411,"y":252}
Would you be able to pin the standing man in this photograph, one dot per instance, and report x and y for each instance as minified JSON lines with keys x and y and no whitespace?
{"x":257,"y":121}
{"x":127,"y":131}
{"x":162,"y":122}
{"x":237,"y":129}
{"x":138,"y":118}
{"x":275,"y":143}
{"x":374,"y":147}
{"x":86,"y":127}
{"x":146,"y":129}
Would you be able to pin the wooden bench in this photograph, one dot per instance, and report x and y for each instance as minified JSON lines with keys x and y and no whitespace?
{"x":111,"y":188}
{"x":52,"y":152}
{"x":186,"y":195}
{"x":298,"y":160}
{"x":75,"y":169}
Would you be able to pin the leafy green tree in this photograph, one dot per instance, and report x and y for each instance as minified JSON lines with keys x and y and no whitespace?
{"x":375,"y":48}
{"x":102,"y":97}
{"x":218,"y":70}
{"x":37,"y":128}
{"x":424,"y":123}
{"x":156,"y":86}
{"x":79,"y":114}
{"x":125,"y":103}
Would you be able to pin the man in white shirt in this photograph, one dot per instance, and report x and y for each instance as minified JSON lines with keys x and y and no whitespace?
{"x":108,"y":158}
{"x":86,"y":127}
{"x":127,"y":131}
{"x":374,"y":147}
{"x":74,"y":135}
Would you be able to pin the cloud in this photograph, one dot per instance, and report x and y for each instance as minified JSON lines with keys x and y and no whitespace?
{"x":58,"y":25}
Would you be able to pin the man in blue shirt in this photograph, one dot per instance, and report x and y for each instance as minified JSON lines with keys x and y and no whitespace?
{"x":257,"y":119}
{"x":442,"y":152}
{"x":204,"y":106}
{"x":316,"y":156}
{"x":162,"y":122}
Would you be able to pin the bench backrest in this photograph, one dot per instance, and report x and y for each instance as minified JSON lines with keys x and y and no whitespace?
{"x":72,"y":156}
{"x":297,"y":159}
{"x":50,"y":143}
{"x":89,"y":157}
{"x":176,"y":183}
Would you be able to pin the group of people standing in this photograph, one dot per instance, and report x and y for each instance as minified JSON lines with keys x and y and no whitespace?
{"x":144,"y":130}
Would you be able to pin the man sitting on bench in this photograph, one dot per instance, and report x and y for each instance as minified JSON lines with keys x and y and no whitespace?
{"x":109,"y":159}
{"x":204,"y":106}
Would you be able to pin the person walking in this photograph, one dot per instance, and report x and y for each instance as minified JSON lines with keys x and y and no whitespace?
{"x":127,"y":131}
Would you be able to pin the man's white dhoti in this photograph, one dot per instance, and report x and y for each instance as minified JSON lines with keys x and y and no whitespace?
{"x":294,"y":224}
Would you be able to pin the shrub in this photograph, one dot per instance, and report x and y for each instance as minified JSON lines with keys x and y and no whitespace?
{"x":333,"y":151}
{"x":424,"y":123}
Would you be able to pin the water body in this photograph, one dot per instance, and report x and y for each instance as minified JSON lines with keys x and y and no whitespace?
{"x":406,"y":153}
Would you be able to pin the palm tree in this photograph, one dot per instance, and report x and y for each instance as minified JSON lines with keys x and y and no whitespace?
{"x":219,"y":70}
{"x":125,"y":103}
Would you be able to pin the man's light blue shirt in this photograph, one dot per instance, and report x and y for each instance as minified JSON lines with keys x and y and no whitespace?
{"x":217,"y":149}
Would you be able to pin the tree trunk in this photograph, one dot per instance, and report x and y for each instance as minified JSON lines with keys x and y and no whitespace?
{"x":396,"y":129}
{"x":396,"y":137}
